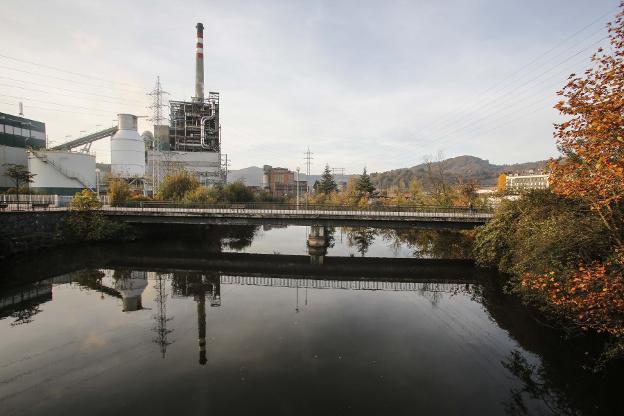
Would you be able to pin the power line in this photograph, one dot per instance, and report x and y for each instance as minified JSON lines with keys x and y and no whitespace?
{"x":67,"y":71}
{"x":73,"y":81}
{"x":519,"y":70}
{"x":67,"y":89}
{"x":55,"y":103}
{"x":466,"y":121}
{"x":504,"y":94}
{"x":56,"y":94}
{"x":53,"y":109}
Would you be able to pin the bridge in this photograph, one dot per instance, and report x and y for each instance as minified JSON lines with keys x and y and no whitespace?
{"x":291,"y":214}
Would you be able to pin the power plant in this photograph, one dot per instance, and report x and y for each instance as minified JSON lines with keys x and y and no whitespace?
{"x":191,"y":142}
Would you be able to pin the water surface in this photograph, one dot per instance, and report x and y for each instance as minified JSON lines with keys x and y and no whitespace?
{"x":110,"y":337}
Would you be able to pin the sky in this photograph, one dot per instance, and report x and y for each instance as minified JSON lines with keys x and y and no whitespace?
{"x":375,"y":84}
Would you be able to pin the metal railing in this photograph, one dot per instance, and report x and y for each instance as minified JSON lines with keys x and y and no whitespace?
{"x":310,"y":209}
{"x":10,"y":202}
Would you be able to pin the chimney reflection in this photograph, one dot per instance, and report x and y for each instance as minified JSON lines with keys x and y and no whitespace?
{"x":202,"y":286}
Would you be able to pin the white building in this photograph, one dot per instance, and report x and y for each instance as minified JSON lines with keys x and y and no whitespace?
{"x":518,"y":183}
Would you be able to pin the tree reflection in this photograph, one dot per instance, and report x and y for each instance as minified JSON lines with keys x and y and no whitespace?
{"x":239,"y":237}
{"x":535,"y":386}
{"x":24,"y":304}
{"x":433,"y":243}
{"x":361,"y":238}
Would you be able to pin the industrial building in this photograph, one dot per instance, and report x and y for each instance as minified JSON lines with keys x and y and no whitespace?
{"x":193,"y":140}
{"x":281,"y":182}
{"x":17,"y":133}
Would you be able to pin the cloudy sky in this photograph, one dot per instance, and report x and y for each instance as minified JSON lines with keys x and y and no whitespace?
{"x":380,"y":84}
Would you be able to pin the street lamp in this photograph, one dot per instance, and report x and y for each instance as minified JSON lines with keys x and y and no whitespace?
{"x":297,"y":185}
{"x":97,"y":181}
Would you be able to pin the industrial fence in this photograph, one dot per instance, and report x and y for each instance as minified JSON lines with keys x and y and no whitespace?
{"x":33,"y":202}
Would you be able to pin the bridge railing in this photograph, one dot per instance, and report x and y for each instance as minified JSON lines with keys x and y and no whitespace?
{"x":264,"y":207}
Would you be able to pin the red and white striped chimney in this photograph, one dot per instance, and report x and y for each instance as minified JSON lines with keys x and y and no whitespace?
{"x":199,"y":64}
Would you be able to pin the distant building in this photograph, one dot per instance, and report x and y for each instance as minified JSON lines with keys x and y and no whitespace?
{"x":281,"y":182}
{"x":16,"y":134}
{"x":518,"y":183}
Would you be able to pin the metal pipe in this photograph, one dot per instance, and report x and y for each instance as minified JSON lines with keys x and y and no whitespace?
{"x":202,"y":129}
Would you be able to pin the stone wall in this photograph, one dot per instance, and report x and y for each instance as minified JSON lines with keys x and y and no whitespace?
{"x":28,"y":230}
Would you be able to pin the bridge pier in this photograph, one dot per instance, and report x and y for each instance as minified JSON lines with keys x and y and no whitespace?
{"x":317,"y":244}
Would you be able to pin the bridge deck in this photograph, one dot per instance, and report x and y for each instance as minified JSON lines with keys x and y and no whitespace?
{"x":220,"y":215}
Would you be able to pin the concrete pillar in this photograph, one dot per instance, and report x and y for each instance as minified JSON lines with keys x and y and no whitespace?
{"x":317,"y":244}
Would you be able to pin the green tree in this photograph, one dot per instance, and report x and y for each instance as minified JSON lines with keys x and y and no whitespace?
{"x":237,"y":192}
{"x":176,"y":185}
{"x":365,"y":187}
{"x":327,"y":185}
{"x":19,"y":174}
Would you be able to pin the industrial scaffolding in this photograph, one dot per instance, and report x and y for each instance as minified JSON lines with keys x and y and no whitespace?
{"x":195,"y":125}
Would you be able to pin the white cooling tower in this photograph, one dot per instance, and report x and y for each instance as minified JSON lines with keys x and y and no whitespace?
{"x":127,"y":149}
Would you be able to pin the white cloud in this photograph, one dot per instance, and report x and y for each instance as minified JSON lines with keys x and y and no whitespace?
{"x":359,"y":82}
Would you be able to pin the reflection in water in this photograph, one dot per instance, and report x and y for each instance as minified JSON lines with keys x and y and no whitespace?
{"x":130,"y":284}
{"x":161,"y":330}
{"x":361,"y":238}
{"x":380,"y":336}
{"x":535,"y":386}
{"x":533,"y":391}
{"x":24,"y":304}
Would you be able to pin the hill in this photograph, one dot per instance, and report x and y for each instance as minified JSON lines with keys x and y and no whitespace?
{"x":251,"y":176}
{"x":468,"y":168}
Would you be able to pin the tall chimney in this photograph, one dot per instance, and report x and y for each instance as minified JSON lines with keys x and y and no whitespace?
{"x":199,"y":64}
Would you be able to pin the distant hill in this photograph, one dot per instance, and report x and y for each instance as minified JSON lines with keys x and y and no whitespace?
{"x":466,"y":167}
{"x":251,"y":176}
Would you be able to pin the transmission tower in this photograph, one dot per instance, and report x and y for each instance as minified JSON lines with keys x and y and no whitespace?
{"x":157,"y":103}
{"x":161,"y":316}
{"x":308,"y":158}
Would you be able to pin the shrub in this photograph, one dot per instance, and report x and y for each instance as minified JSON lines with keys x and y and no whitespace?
{"x":85,"y":200}
{"x":176,"y":185}
{"x":118,"y":191}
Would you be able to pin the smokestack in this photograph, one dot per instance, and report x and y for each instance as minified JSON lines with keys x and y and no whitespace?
{"x":199,"y":64}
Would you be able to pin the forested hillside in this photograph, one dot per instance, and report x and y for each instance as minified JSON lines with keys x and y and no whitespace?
{"x":465,"y":168}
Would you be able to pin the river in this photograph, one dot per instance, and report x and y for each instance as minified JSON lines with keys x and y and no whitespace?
{"x":250,"y":320}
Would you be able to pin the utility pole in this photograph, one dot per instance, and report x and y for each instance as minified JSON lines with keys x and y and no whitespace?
{"x":297,"y":185}
{"x":308,"y":158}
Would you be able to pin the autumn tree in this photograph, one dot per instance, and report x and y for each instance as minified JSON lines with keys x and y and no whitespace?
{"x":591,"y":139}
{"x":118,"y":191}
{"x":176,"y":185}
{"x":589,"y":290}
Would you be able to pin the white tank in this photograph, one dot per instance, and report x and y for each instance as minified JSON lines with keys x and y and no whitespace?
{"x":127,"y":149}
{"x":61,"y":172}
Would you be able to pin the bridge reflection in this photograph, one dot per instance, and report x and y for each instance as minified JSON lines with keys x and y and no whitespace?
{"x":204,"y":288}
